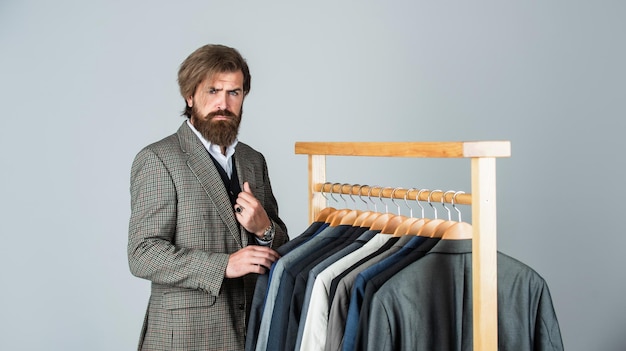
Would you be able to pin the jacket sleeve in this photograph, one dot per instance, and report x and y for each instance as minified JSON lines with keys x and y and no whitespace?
{"x":547,"y":331}
{"x":151,"y":251}
{"x":271,"y":207}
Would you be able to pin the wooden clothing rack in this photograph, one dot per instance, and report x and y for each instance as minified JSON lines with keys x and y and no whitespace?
{"x":482,"y":200}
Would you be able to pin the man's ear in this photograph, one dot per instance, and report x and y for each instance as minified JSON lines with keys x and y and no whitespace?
{"x":189,"y":101}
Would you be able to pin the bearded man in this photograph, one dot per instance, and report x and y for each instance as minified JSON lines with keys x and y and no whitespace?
{"x":204,"y":220}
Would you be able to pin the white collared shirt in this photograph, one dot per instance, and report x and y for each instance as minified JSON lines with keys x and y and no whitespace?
{"x":226,"y":161}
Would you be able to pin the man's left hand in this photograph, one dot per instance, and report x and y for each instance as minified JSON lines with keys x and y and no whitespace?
{"x":249,"y":212}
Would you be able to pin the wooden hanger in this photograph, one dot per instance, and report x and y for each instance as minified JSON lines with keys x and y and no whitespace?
{"x":350,"y":218}
{"x":403,"y":228}
{"x":415,"y":227}
{"x":358,"y":222}
{"x":324,"y":213}
{"x":380,"y":221}
{"x":369,"y":220}
{"x":429,"y":228}
{"x":392,"y":224}
{"x":442,"y":227}
{"x":331,"y":216}
{"x":458,"y":231}
{"x":335,"y":218}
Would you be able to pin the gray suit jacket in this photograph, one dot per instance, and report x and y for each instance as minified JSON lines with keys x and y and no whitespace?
{"x":428,"y":306}
{"x":182,"y":230}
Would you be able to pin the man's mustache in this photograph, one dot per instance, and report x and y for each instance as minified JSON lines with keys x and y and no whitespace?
{"x":226,"y":113}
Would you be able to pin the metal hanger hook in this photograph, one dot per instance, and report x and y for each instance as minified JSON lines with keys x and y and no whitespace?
{"x":454,"y":205}
{"x":331,"y":191}
{"x":394,"y":201}
{"x":406,"y":196}
{"x":380,"y":198}
{"x":369,"y":196}
{"x":361,"y":198}
{"x":322,"y":191}
{"x":430,"y":203}
{"x":345,"y":203}
{"x":417,"y":198}
{"x":443,"y":198}
{"x":352,"y":191}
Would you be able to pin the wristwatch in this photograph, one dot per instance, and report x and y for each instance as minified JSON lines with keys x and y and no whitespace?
{"x":268,"y":235}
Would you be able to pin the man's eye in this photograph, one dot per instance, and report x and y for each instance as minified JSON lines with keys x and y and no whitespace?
{"x":212,"y":91}
{"x":234,"y":93}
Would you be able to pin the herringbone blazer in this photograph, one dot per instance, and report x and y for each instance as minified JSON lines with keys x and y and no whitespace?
{"x":182,"y":230}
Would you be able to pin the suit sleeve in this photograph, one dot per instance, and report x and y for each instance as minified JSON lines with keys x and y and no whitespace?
{"x":547,"y":331}
{"x":152,"y":229}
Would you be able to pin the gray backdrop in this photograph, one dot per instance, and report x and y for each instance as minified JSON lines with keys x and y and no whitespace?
{"x":85,"y":84}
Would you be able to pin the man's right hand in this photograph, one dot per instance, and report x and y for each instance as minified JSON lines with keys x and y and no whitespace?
{"x":251,"y":259}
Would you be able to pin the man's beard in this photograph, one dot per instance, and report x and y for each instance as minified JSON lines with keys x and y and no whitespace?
{"x":221,"y":132}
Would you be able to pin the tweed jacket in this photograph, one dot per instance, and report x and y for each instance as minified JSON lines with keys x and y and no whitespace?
{"x":182,"y":230}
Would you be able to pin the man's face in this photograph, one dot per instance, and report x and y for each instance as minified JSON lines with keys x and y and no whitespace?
{"x":216,"y":107}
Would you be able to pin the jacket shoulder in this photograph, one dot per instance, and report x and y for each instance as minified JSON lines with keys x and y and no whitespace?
{"x":246,"y":150}
{"x":164,"y":151}
{"x":166,"y":143}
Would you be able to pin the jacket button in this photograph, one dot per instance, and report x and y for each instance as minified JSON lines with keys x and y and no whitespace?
{"x":242,"y":306}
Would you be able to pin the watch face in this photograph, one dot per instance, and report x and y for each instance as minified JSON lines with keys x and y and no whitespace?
{"x":269,"y":235}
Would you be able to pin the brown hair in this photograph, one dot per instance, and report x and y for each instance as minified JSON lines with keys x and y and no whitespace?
{"x":205,"y":62}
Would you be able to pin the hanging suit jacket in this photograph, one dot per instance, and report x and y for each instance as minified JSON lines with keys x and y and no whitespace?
{"x":280,"y":315}
{"x":182,"y":230}
{"x":262,"y":285}
{"x":275,"y":287}
{"x":437,"y":291}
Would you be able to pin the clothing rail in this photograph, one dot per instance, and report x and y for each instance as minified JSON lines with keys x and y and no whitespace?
{"x":395,"y":193}
{"x":483,"y":202}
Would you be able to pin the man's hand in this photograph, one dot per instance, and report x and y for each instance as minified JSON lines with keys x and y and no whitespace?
{"x":249,"y":212}
{"x":250,"y":259}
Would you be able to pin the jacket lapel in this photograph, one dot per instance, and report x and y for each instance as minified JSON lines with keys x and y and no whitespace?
{"x":246,"y":174}
{"x":245,"y":170}
{"x":202,"y":166}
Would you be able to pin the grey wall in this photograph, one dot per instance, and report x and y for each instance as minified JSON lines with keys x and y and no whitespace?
{"x":85,"y":84}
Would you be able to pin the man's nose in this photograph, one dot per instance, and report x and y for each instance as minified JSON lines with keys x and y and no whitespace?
{"x":220,"y":101}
